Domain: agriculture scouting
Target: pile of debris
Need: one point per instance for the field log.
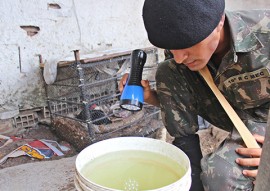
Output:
(122, 123)
(34, 144)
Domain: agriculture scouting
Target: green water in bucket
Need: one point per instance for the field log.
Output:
(133, 170)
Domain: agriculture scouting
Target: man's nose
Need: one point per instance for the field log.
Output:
(179, 55)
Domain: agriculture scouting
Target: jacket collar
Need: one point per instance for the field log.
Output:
(243, 38)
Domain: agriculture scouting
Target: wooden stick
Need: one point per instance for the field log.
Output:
(248, 138)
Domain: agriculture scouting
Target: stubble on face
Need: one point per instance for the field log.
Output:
(197, 56)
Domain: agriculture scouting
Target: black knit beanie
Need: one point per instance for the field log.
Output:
(178, 24)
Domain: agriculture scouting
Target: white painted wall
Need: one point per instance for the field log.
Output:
(88, 25)
(247, 4)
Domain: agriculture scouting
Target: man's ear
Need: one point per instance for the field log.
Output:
(221, 23)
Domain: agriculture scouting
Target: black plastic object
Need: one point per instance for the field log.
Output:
(132, 95)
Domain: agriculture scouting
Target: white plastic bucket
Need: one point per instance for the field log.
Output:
(132, 143)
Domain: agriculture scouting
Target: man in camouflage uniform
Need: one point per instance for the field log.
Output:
(243, 78)
(238, 51)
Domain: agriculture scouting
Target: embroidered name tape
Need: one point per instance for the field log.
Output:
(260, 73)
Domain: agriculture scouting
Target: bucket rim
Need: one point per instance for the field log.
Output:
(113, 140)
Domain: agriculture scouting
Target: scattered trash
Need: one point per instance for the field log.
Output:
(62, 147)
(7, 140)
(13, 154)
(96, 115)
(34, 152)
(39, 149)
(119, 112)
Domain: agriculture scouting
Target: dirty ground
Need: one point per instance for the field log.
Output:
(24, 173)
(38, 132)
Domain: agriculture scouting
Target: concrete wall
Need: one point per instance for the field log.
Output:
(247, 4)
(53, 28)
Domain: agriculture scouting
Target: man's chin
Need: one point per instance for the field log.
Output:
(196, 65)
(195, 68)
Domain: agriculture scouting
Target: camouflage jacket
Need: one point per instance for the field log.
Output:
(244, 73)
(243, 77)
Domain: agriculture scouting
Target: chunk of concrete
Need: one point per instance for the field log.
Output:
(57, 175)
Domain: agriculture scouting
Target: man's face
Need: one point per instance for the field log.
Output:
(197, 56)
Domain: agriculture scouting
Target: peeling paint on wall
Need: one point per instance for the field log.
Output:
(31, 30)
(58, 27)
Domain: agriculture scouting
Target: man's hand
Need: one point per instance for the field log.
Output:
(122, 82)
(150, 96)
(255, 157)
